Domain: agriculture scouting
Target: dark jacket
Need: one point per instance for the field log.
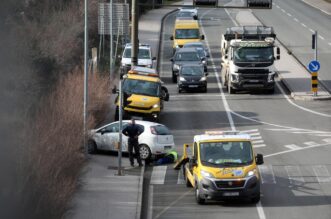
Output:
(133, 131)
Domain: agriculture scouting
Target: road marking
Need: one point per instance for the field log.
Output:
(303, 25)
(150, 202)
(329, 44)
(259, 145)
(277, 6)
(322, 174)
(311, 30)
(180, 179)
(254, 134)
(289, 14)
(296, 20)
(267, 174)
(283, 11)
(158, 175)
(293, 147)
(260, 210)
(256, 138)
(257, 142)
(327, 140)
(294, 175)
(310, 143)
(321, 37)
(251, 130)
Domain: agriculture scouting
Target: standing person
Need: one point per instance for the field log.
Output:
(133, 131)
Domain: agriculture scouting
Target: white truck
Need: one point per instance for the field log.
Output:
(248, 56)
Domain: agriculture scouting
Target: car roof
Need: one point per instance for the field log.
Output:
(190, 49)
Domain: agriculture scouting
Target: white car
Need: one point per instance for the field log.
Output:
(155, 140)
(194, 11)
(145, 58)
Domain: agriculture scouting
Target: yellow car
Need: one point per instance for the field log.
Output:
(185, 31)
(222, 166)
(143, 94)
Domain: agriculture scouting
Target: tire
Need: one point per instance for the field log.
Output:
(256, 198)
(179, 90)
(116, 114)
(144, 152)
(204, 90)
(174, 77)
(271, 91)
(92, 147)
(198, 198)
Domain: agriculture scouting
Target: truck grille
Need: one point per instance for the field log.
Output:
(253, 71)
(140, 107)
(230, 184)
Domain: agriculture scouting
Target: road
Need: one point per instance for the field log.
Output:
(294, 22)
(295, 138)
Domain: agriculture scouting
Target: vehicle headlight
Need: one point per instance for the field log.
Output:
(149, 66)
(156, 105)
(177, 46)
(182, 79)
(206, 174)
(234, 77)
(271, 76)
(176, 67)
(252, 172)
(203, 78)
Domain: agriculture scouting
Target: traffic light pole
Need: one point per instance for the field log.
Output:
(120, 95)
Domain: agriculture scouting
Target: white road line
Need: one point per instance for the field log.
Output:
(150, 202)
(251, 130)
(310, 143)
(283, 11)
(256, 138)
(296, 19)
(259, 145)
(322, 174)
(254, 134)
(257, 142)
(321, 37)
(289, 14)
(294, 175)
(260, 210)
(180, 179)
(267, 174)
(277, 6)
(303, 25)
(158, 175)
(311, 30)
(293, 147)
(329, 44)
(314, 6)
(327, 140)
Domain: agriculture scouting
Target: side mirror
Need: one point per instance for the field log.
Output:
(154, 58)
(114, 90)
(278, 53)
(202, 37)
(259, 159)
(171, 38)
(195, 17)
(193, 162)
(226, 56)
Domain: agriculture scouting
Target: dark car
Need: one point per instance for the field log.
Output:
(192, 77)
(184, 56)
(205, 2)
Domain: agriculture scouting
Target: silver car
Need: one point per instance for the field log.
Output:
(155, 140)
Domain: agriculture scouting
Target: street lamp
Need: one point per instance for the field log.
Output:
(85, 76)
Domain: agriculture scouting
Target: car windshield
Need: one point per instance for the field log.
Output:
(184, 14)
(148, 88)
(187, 34)
(192, 71)
(231, 153)
(187, 56)
(193, 45)
(254, 54)
(142, 53)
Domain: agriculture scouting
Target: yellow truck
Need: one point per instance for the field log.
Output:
(143, 94)
(222, 165)
(185, 31)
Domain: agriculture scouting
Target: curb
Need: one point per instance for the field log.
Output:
(140, 192)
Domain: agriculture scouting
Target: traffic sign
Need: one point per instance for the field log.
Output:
(314, 66)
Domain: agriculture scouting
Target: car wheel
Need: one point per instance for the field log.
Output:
(144, 152)
(271, 91)
(198, 198)
(91, 147)
(256, 198)
(174, 77)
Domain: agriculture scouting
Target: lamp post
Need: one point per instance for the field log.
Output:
(85, 75)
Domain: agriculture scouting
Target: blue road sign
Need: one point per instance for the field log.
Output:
(314, 66)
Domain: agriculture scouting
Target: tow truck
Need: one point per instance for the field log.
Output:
(143, 94)
(221, 165)
(248, 58)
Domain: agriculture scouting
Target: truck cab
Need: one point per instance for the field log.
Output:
(222, 165)
(143, 94)
(248, 56)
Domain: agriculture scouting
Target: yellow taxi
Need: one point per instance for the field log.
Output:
(222, 165)
(143, 94)
(185, 31)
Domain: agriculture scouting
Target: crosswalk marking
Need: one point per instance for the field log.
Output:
(255, 134)
(180, 179)
(256, 138)
(158, 174)
(267, 174)
(292, 147)
(327, 140)
(294, 175)
(257, 142)
(322, 174)
(250, 130)
(259, 145)
(310, 143)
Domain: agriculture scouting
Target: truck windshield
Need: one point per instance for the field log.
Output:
(232, 153)
(148, 88)
(187, 34)
(142, 53)
(254, 54)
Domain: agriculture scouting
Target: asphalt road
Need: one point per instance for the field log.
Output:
(295, 138)
(294, 22)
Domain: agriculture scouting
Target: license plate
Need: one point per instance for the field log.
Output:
(231, 194)
(193, 86)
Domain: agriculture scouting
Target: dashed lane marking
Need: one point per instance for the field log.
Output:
(321, 37)
(267, 174)
(310, 143)
(158, 175)
(283, 11)
(288, 14)
(295, 19)
(259, 145)
(180, 179)
(303, 25)
(311, 30)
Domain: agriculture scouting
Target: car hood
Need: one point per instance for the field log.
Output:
(192, 78)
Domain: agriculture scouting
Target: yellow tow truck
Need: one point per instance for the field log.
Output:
(143, 94)
(220, 166)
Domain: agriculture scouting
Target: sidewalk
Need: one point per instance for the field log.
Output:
(293, 75)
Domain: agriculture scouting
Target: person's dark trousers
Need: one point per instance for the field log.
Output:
(133, 144)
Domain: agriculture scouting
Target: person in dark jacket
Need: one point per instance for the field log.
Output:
(133, 131)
